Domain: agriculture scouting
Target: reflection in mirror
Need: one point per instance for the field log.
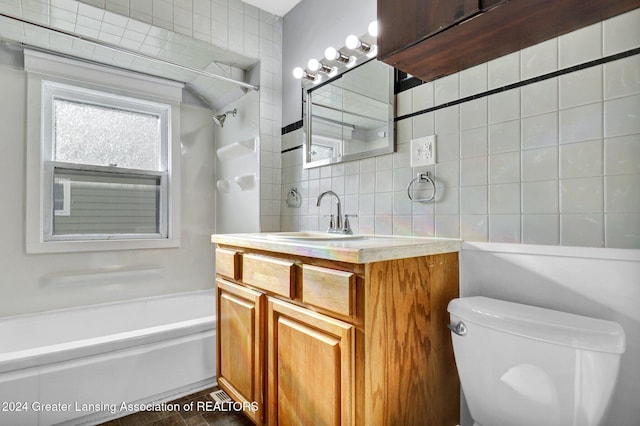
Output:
(351, 116)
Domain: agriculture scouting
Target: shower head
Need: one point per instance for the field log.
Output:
(219, 119)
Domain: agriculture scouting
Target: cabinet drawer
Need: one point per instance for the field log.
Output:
(270, 274)
(228, 263)
(328, 289)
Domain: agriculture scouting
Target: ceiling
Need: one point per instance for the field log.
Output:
(275, 7)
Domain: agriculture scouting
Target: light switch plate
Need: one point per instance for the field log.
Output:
(423, 151)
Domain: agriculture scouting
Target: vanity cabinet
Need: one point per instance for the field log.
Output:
(310, 363)
(240, 344)
(317, 341)
(433, 38)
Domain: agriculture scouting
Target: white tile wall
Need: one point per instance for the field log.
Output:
(580, 46)
(540, 197)
(504, 70)
(504, 228)
(621, 32)
(540, 130)
(622, 155)
(553, 162)
(581, 87)
(504, 106)
(581, 159)
(540, 229)
(540, 163)
(582, 230)
(504, 137)
(473, 171)
(474, 142)
(622, 77)
(473, 80)
(539, 59)
(581, 195)
(423, 97)
(539, 98)
(446, 89)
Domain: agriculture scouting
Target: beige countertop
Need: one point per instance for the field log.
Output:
(368, 248)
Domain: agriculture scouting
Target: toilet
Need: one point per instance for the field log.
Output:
(523, 365)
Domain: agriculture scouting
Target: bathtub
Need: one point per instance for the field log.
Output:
(88, 365)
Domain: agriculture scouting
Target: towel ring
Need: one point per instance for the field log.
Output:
(293, 198)
(421, 177)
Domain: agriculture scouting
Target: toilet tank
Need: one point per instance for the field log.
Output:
(525, 365)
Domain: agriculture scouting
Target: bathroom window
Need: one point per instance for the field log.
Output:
(105, 158)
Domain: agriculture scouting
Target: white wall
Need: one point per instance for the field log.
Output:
(599, 283)
(32, 283)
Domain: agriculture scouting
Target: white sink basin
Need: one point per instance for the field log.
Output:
(312, 236)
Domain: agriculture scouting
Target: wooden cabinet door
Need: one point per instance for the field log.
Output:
(240, 351)
(310, 367)
(403, 23)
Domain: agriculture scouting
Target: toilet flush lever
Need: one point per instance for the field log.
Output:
(460, 329)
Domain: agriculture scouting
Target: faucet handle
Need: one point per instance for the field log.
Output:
(346, 228)
(332, 223)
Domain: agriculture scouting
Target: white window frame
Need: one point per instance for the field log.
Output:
(52, 91)
(112, 88)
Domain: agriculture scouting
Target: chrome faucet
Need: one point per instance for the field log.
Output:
(338, 224)
(337, 227)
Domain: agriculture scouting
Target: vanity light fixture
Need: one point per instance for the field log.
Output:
(332, 54)
(299, 73)
(354, 43)
(315, 65)
(318, 71)
(373, 29)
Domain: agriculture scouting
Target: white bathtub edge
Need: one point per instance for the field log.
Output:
(32, 358)
(210, 292)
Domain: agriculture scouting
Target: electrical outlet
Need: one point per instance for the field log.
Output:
(423, 151)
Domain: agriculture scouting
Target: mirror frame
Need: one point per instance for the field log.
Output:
(308, 90)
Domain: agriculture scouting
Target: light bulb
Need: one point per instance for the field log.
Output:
(313, 65)
(373, 29)
(352, 42)
(298, 73)
(331, 54)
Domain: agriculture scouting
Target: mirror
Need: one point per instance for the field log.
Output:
(350, 116)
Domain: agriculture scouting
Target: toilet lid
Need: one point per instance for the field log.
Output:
(533, 322)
